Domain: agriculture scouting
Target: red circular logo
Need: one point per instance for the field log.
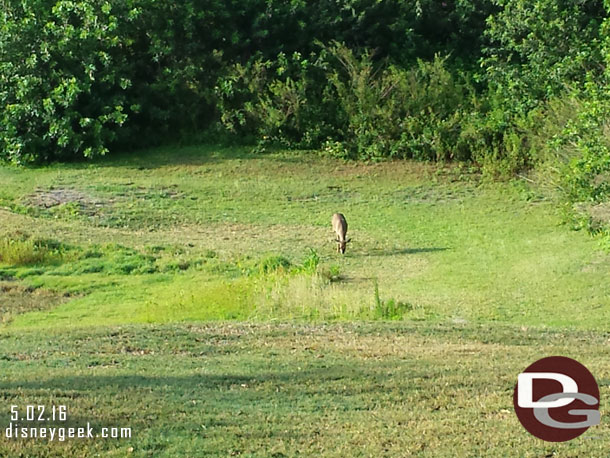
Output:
(557, 399)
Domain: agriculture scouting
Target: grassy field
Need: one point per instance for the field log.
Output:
(195, 294)
(374, 389)
(280, 389)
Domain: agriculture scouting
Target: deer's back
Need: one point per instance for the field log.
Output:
(339, 223)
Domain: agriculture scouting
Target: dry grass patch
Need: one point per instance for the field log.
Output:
(16, 299)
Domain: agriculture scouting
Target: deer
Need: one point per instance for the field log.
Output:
(340, 227)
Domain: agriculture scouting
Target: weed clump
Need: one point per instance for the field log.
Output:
(311, 262)
(121, 260)
(20, 249)
(390, 309)
(274, 264)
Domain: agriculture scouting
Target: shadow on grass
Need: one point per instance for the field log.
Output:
(343, 384)
(319, 368)
(74, 387)
(175, 155)
(162, 156)
(176, 405)
(401, 251)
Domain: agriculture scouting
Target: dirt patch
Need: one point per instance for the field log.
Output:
(601, 263)
(161, 192)
(427, 194)
(598, 215)
(16, 299)
(601, 213)
(50, 198)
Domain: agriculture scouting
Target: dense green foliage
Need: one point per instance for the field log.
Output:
(473, 80)
(347, 104)
(77, 77)
(60, 82)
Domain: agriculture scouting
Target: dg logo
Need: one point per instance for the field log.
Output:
(557, 399)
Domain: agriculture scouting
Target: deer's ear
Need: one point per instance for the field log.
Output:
(348, 240)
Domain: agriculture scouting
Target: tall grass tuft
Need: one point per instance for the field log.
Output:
(311, 262)
(274, 264)
(26, 251)
(390, 309)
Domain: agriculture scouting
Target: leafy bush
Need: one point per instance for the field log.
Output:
(359, 79)
(493, 138)
(586, 175)
(79, 77)
(536, 52)
(274, 263)
(568, 140)
(392, 112)
(354, 107)
(577, 156)
(61, 79)
(277, 101)
(537, 48)
(311, 262)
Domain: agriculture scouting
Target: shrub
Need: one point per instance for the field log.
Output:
(537, 48)
(62, 82)
(536, 52)
(277, 101)
(569, 138)
(393, 112)
(585, 174)
(311, 262)
(77, 77)
(80, 76)
(350, 105)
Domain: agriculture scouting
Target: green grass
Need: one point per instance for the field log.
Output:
(184, 228)
(282, 390)
(195, 295)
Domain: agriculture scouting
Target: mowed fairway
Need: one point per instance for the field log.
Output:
(284, 390)
(195, 295)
